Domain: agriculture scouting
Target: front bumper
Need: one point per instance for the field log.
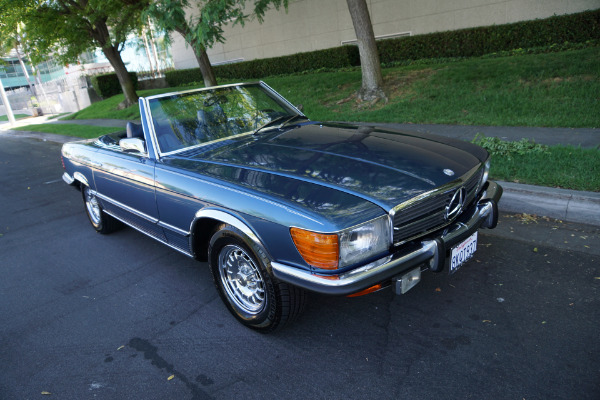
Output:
(69, 180)
(430, 252)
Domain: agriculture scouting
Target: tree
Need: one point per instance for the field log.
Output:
(10, 41)
(71, 27)
(5, 102)
(372, 79)
(205, 27)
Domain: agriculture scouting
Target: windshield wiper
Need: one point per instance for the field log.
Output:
(271, 122)
(287, 121)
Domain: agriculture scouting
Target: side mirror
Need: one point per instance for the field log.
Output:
(300, 107)
(133, 145)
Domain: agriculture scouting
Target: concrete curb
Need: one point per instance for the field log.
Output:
(568, 205)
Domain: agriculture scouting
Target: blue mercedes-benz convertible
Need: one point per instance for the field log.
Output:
(278, 204)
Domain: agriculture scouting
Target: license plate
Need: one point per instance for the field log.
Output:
(462, 252)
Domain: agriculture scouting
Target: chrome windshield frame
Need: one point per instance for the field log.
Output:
(157, 150)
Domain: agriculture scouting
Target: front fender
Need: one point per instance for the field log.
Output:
(247, 234)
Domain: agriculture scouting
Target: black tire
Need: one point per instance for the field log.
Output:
(252, 295)
(101, 221)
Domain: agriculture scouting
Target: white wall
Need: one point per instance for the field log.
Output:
(319, 24)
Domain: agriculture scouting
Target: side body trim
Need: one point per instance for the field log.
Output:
(148, 234)
(127, 208)
(174, 229)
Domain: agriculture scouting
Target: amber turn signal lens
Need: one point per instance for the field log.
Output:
(318, 249)
(366, 291)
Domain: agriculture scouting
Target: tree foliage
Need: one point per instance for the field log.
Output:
(202, 25)
(9, 23)
(67, 28)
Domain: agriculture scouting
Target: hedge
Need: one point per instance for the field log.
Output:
(574, 28)
(334, 58)
(470, 42)
(108, 85)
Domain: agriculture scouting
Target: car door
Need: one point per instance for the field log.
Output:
(125, 184)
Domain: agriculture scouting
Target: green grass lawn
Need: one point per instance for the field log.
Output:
(540, 90)
(108, 108)
(544, 90)
(82, 131)
(560, 166)
(17, 116)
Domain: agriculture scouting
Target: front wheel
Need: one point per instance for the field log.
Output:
(250, 293)
(102, 222)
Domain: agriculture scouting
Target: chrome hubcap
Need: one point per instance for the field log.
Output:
(93, 208)
(241, 279)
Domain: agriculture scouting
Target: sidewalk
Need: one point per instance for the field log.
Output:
(5, 126)
(96, 122)
(567, 205)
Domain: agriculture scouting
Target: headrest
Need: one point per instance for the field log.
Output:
(134, 130)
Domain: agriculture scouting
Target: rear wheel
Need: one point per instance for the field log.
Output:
(250, 293)
(102, 222)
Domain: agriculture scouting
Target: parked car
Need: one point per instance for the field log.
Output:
(278, 204)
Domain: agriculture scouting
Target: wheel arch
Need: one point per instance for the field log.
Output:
(80, 179)
(207, 220)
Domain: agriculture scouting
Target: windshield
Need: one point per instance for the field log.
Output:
(194, 118)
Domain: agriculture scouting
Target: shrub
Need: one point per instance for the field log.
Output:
(108, 85)
(334, 58)
(542, 34)
(182, 77)
(498, 147)
(574, 28)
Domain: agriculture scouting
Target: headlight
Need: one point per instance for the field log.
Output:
(486, 172)
(364, 241)
(350, 246)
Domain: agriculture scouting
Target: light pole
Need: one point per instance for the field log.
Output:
(11, 116)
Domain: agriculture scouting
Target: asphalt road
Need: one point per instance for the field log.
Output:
(87, 316)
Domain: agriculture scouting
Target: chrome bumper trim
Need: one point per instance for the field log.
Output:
(360, 278)
(483, 215)
(68, 178)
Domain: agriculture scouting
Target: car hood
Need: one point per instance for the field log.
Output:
(382, 166)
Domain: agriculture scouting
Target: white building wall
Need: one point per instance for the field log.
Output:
(319, 24)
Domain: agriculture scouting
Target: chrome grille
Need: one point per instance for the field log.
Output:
(472, 185)
(419, 217)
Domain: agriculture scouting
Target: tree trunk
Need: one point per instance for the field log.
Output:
(114, 57)
(7, 107)
(38, 82)
(372, 80)
(154, 48)
(201, 57)
(205, 68)
(25, 73)
(147, 48)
